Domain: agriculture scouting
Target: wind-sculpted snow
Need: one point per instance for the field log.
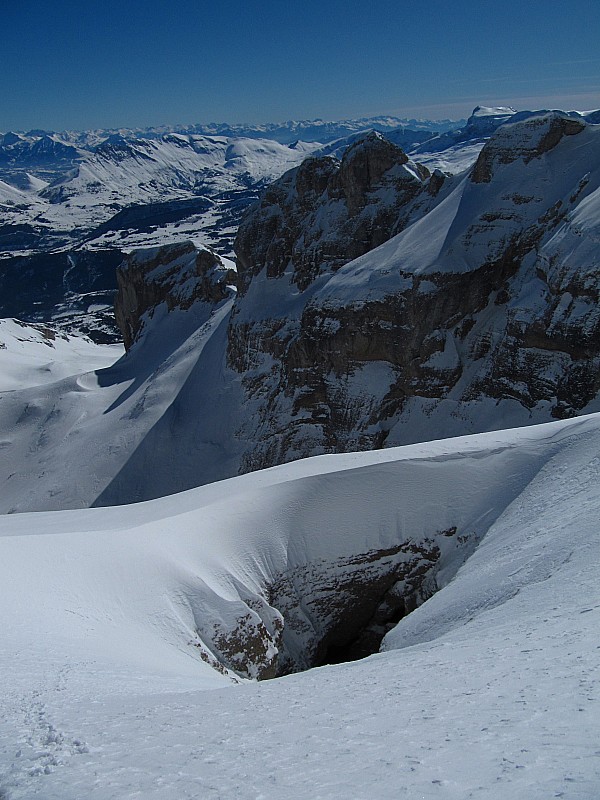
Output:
(35, 355)
(112, 426)
(115, 620)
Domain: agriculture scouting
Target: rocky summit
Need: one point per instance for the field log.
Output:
(177, 275)
(327, 212)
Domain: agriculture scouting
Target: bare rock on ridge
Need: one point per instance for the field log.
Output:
(480, 313)
(325, 213)
(178, 275)
(531, 139)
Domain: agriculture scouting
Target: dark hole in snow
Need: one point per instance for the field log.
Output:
(340, 611)
(366, 643)
(335, 611)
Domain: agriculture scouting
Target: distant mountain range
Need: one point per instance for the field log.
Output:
(315, 130)
(72, 205)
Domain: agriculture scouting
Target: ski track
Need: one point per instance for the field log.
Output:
(362, 730)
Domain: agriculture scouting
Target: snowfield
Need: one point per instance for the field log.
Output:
(489, 689)
(35, 355)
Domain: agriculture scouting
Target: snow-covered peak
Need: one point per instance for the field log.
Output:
(10, 138)
(527, 139)
(485, 120)
(492, 111)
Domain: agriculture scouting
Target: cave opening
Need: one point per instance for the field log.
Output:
(335, 611)
(365, 643)
(335, 616)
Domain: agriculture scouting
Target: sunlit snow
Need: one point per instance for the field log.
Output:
(490, 689)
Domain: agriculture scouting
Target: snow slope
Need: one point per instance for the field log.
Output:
(35, 355)
(453, 237)
(488, 690)
(92, 423)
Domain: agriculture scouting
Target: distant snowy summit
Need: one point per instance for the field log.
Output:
(319, 130)
(485, 120)
(315, 130)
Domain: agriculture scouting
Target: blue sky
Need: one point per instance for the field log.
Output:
(106, 64)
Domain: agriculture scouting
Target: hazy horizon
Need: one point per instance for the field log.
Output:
(159, 64)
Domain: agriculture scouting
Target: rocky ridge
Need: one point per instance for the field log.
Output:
(176, 275)
(481, 313)
(327, 212)
(380, 305)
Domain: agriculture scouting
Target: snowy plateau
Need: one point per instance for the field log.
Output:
(315, 512)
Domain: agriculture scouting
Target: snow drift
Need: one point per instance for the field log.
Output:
(106, 610)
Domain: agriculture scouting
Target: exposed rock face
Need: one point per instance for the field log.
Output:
(177, 275)
(483, 312)
(342, 610)
(325, 213)
(328, 611)
(538, 136)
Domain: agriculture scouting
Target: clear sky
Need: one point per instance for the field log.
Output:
(109, 63)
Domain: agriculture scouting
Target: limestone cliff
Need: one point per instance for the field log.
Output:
(177, 275)
(481, 312)
(380, 305)
(325, 213)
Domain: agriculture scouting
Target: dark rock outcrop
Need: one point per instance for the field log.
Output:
(325, 213)
(482, 313)
(177, 275)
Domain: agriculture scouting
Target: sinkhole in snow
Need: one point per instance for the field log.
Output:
(333, 611)
(340, 611)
